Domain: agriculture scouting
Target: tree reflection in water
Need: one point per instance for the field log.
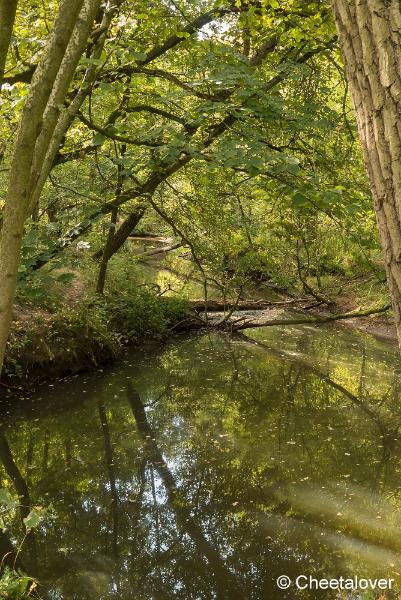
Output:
(211, 467)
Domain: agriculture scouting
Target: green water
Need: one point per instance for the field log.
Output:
(209, 467)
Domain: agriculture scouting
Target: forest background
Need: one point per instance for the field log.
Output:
(225, 129)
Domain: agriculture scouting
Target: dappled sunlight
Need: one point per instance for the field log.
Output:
(350, 555)
(360, 513)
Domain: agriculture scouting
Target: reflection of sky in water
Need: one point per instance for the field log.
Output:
(257, 456)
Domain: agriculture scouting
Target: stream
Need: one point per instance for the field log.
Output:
(209, 467)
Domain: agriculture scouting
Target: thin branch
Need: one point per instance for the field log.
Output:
(118, 138)
(156, 111)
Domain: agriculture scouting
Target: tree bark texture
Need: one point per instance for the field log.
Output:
(8, 9)
(370, 38)
(29, 132)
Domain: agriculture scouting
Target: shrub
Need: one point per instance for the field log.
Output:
(142, 313)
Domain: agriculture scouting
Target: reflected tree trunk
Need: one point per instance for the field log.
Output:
(227, 586)
(14, 474)
(68, 453)
(30, 451)
(383, 428)
(156, 508)
(361, 388)
(22, 490)
(45, 459)
(109, 456)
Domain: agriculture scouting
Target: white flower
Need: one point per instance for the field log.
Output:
(83, 246)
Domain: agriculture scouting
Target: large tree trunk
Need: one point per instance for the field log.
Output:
(369, 32)
(227, 586)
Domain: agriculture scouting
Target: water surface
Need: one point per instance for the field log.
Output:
(209, 467)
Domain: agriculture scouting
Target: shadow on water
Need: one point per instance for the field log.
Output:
(209, 468)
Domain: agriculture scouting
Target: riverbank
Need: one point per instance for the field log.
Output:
(86, 335)
(360, 292)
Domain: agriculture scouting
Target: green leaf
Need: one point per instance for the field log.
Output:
(106, 87)
(138, 56)
(34, 517)
(7, 499)
(98, 139)
(299, 199)
(257, 162)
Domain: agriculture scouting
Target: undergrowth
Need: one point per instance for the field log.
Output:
(90, 331)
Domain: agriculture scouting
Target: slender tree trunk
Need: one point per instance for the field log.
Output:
(8, 9)
(108, 247)
(68, 452)
(109, 457)
(369, 32)
(22, 490)
(49, 85)
(122, 233)
(107, 253)
(14, 474)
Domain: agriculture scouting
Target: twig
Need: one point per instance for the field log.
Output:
(11, 387)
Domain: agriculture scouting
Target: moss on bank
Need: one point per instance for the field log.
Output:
(87, 334)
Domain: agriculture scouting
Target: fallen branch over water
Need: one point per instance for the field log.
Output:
(223, 305)
(240, 324)
(360, 402)
(195, 321)
(159, 250)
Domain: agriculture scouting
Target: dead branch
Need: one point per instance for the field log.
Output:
(159, 250)
(310, 320)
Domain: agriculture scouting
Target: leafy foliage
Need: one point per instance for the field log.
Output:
(15, 585)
